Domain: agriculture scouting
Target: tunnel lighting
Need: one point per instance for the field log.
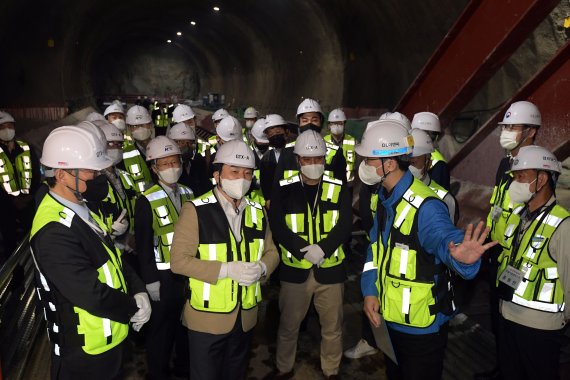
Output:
(169, 41)
(178, 33)
(193, 23)
(217, 9)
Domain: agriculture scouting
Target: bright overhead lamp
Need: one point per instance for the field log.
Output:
(193, 23)
(217, 9)
(169, 41)
(178, 33)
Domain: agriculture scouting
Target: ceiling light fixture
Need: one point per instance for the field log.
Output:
(217, 9)
(193, 23)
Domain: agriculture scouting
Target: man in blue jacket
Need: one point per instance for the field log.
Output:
(414, 246)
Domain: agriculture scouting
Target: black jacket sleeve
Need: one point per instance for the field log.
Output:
(144, 238)
(64, 262)
(338, 165)
(440, 174)
(366, 216)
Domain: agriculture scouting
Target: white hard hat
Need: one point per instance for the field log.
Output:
(114, 108)
(137, 115)
(235, 153)
(423, 144)
(92, 116)
(397, 116)
(535, 157)
(274, 120)
(94, 129)
(309, 105)
(310, 144)
(111, 132)
(385, 138)
(219, 115)
(426, 121)
(5, 117)
(522, 112)
(70, 147)
(258, 131)
(181, 113)
(161, 146)
(181, 131)
(250, 113)
(229, 129)
(337, 115)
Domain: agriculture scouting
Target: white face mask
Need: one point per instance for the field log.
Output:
(337, 129)
(115, 154)
(313, 171)
(236, 188)
(418, 173)
(119, 123)
(170, 175)
(519, 192)
(508, 139)
(7, 134)
(249, 123)
(368, 175)
(141, 134)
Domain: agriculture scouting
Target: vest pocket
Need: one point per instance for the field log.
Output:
(219, 297)
(403, 262)
(408, 303)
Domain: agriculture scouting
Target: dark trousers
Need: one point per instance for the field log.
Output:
(14, 218)
(79, 365)
(366, 331)
(165, 330)
(217, 357)
(527, 353)
(420, 357)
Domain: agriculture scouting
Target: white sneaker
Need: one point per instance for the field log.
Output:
(361, 349)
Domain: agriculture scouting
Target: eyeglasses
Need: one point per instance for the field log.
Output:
(513, 127)
(171, 164)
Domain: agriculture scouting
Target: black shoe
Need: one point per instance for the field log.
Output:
(493, 374)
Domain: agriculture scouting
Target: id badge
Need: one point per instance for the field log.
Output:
(511, 277)
(496, 213)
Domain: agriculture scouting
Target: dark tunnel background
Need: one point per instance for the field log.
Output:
(267, 53)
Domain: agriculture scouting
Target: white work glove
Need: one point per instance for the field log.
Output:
(244, 273)
(120, 225)
(143, 315)
(153, 290)
(314, 254)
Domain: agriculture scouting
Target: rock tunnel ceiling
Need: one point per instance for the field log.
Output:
(268, 53)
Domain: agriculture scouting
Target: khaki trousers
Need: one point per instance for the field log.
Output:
(294, 302)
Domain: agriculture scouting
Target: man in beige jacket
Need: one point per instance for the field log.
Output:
(223, 243)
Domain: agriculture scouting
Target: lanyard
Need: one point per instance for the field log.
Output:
(521, 231)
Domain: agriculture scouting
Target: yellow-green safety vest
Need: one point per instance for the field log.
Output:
(348, 145)
(500, 199)
(99, 334)
(18, 180)
(541, 288)
(217, 243)
(164, 217)
(310, 229)
(136, 166)
(437, 156)
(406, 273)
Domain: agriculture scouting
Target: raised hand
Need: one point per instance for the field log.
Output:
(473, 245)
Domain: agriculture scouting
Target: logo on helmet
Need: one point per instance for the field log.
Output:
(515, 161)
(168, 148)
(508, 114)
(242, 157)
(390, 145)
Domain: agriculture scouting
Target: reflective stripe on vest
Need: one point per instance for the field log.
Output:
(302, 223)
(223, 296)
(541, 288)
(99, 334)
(405, 286)
(164, 216)
(437, 189)
(16, 180)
